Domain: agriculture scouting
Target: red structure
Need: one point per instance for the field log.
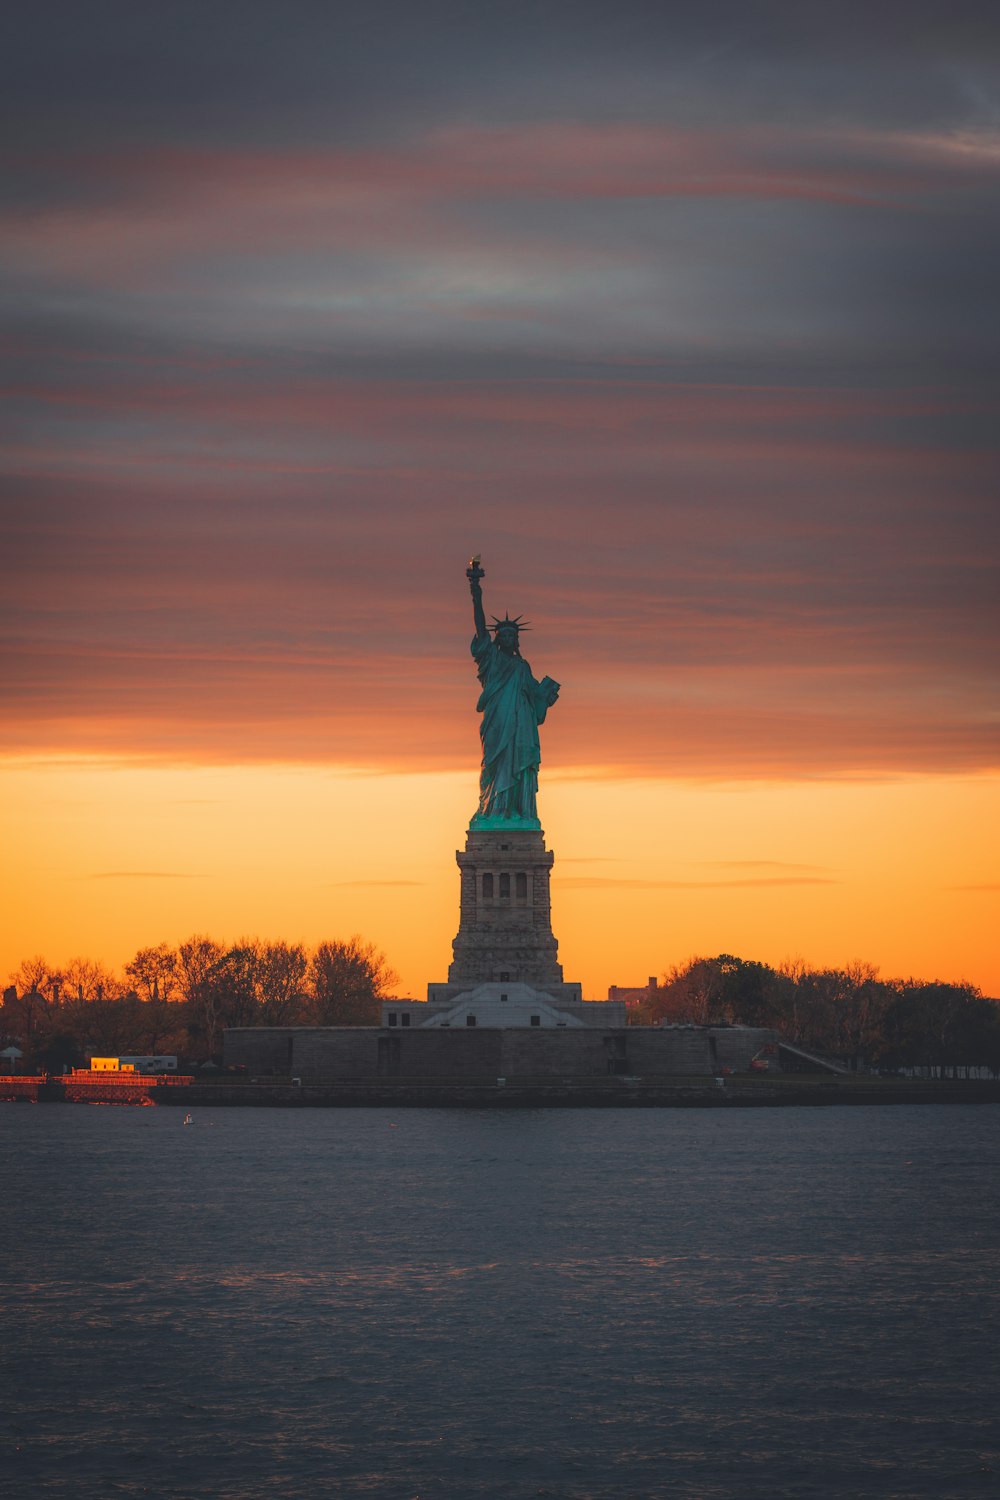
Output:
(84, 1087)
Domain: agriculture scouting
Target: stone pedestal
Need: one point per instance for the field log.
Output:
(505, 924)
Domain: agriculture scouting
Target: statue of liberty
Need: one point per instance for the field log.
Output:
(512, 704)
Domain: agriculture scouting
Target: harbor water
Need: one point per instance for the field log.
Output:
(269, 1304)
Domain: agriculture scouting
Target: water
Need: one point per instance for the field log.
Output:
(705, 1305)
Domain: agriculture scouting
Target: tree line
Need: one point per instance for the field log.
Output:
(849, 1012)
(180, 1000)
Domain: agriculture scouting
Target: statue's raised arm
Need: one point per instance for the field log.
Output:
(475, 574)
(513, 704)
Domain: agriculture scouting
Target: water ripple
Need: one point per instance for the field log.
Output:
(581, 1305)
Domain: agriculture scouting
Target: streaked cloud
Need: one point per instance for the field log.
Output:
(372, 884)
(600, 883)
(686, 325)
(765, 864)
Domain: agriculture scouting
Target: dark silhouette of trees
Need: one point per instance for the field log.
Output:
(194, 959)
(849, 1012)
(32, 975)
(25, 1008)
(281, 975)
(250, 984)
(153, 972)
(839, 1011)
(716, 991)
(688, 994)
(349, 982)
(181, 1000)
(941, 1026)
(197, 959)
(281, 984)
(83, 980)
(743, 990)
(110, 1025)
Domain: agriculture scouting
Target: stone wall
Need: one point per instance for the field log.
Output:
(487, 1053)
(735, 1046)
(654, 1050)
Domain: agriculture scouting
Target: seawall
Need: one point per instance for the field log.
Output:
(614, 1093)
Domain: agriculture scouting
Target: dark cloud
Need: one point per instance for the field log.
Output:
(686, 321)
(309, 70)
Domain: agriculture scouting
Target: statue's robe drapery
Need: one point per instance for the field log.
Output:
(512, 705)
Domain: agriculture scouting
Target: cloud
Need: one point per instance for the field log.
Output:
(690, 341)
(302, 72)
(575, 236)
(591, 859)
(367, 884)
(691, 638)
(598, 883)
(139, 875)
(764, 864)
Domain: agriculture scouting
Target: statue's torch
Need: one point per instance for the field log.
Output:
(474, 572)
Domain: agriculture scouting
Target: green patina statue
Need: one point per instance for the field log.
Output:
(512, 704)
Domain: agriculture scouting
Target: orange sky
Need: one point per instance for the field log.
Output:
(110, 857)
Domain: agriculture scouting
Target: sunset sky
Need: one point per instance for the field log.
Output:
(686, 317)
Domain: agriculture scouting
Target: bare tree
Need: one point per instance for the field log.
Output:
(197, 959)
(26, 1009)
(349, 982)
(83, 979)
(32, 975)
(281, 974)
(153, 971)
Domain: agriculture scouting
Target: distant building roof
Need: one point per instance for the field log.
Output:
(633, 992)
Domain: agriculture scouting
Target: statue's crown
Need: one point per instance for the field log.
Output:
(515, 624)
